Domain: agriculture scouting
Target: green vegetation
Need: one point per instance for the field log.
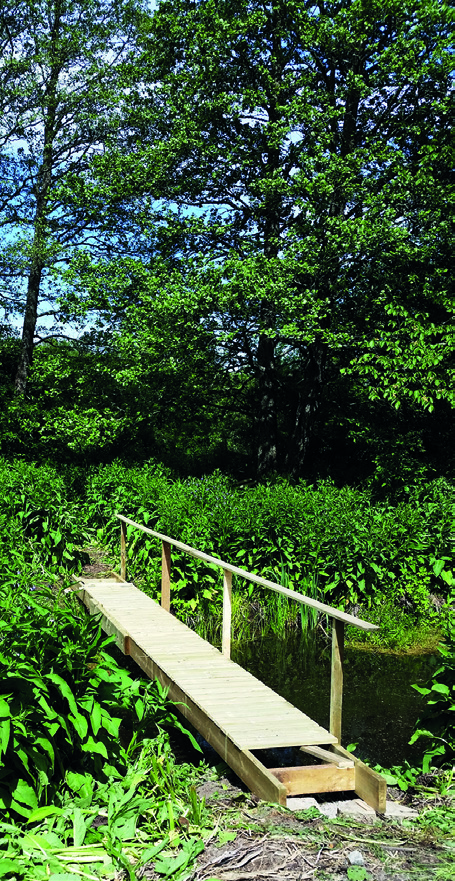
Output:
(225, 235)
(243, 213)
(87, 775)
(337, 544)
(392, 563)
(436, 725)
(81, 739)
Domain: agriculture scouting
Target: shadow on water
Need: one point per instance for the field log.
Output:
(380, 707)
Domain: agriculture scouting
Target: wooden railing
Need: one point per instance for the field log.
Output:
(339, 619)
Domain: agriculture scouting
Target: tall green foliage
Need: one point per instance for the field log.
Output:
(353, 549)
(80, 737)
(35, 504)
(436, 725)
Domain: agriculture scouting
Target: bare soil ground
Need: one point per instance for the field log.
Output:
(250, 840)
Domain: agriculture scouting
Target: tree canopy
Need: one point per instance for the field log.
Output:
(302, 154)
(59, 91)
(272, 212)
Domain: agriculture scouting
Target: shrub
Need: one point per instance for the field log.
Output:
(62, 699)
(437, 723)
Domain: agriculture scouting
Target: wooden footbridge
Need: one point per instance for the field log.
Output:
(232, 710)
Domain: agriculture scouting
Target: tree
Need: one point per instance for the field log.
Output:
(303, 151)
(59, 76)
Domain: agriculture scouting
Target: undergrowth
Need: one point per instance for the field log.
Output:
(395, 561)
(87, 776)
(88, 784)
(335, 543)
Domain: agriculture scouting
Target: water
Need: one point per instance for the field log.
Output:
(379, 706)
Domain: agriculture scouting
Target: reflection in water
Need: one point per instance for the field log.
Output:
(379, 705)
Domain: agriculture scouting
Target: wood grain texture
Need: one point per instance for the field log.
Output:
(325, 756)
(369, 785)
(242, 706)
(166, 575)
(123, 550)
(336, 679)
(227, 613)
(233, 710)
(315, 778)
(256, 579)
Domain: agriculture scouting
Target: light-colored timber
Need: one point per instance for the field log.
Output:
(339, 619)
(251, 576)
(336, 684)
(231, 709)
(315, 778)
(123, 551)
(327, 756)
(166, 576)
(227, 613)
(369, 785)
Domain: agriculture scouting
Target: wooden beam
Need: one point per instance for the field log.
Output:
(336, 681)
(315, 778)
(109, 624)
(120, 606)
(166, 575)
(256, 579)
(325, 756)
(258, 778)
(123, 550)
(227, 613)
(369, 785)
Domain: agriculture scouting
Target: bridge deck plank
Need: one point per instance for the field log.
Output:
(245, 710)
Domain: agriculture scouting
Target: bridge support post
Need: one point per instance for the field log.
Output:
(227, 613)
(166, 576)
(336, 683)
(123, 550)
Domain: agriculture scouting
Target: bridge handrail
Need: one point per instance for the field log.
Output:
(339, 618)
(257, 579)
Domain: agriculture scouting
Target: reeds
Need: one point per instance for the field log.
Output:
(259, 613)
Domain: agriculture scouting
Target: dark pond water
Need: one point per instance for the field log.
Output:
(379, 705)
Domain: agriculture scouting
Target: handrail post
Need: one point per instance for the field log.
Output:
(336, 683)
(166, 575)
(227, 613)
(123, 528)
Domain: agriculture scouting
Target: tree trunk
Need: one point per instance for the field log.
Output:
(267, 376)
(308, 400)
(28, 330)
(41, 193)
(267, 427)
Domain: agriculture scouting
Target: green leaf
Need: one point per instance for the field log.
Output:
(440, 687)
(151, 852)
(95, 717)
(24, 798)
(94, 746)
(64, 690)
(79, 827)
(357, 873)
(438, 566)
(10, 867)
(224, 837)
(80, 783)
(5, 712)
(80, 724)
(42, 813)
(64, 876)
(5, 731)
